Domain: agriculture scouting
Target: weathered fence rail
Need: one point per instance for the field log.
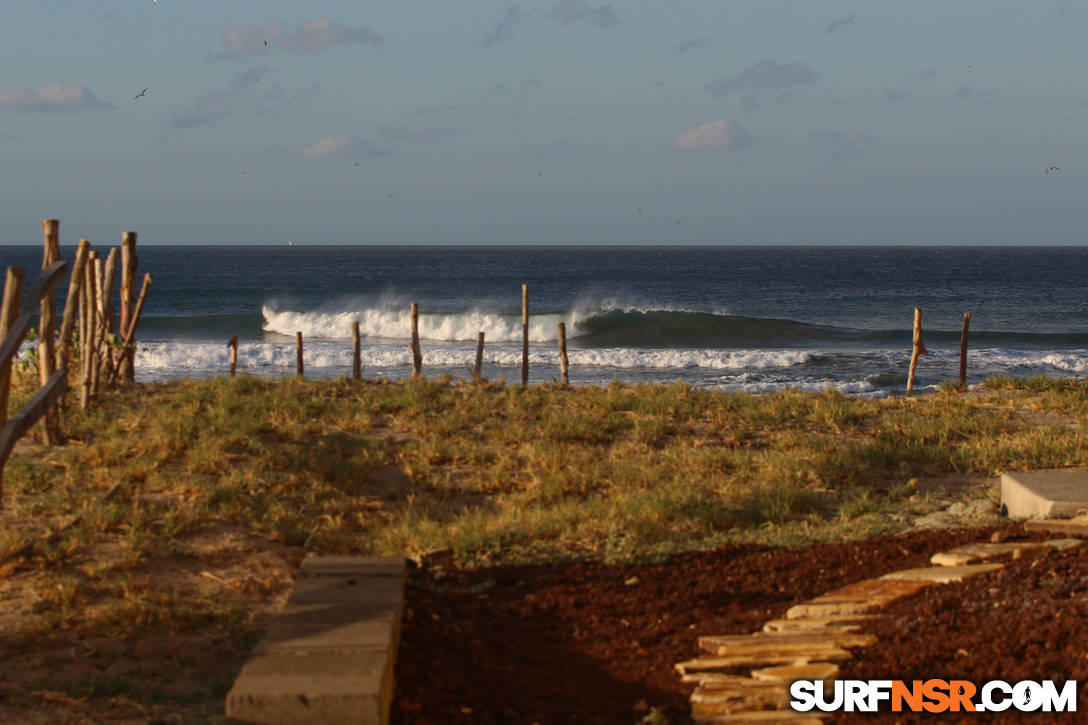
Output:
(46, 397)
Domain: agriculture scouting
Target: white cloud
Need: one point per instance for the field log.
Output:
(218, 104)
(318, 35)
(425, 136)
(571, 11)
(54, 98)
(313, 36)
(764, 75)
(843, 145)
(565, 13)
(838, 24)
(694, 44)
(341, 146)
(241, 40)
(720, 134)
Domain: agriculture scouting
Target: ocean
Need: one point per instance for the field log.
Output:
(732, 318)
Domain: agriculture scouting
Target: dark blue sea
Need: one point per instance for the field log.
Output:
(734, 318)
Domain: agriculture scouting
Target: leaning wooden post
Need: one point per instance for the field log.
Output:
(129, 261)
(298, 352)
(918, 349)
(128, 335)
(71, 305)
(233, 345)
(46, 360)
(84, 319)
(110, 324)
(963, 350)
(100, 349)
(525, 334)
(563, 352)
(356, 352)
(479, 356)
(417, 356)
(92, 331)
(13, 293)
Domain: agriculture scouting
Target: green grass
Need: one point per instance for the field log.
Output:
(500, 473)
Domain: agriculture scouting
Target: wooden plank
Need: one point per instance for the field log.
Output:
(14, 340)
(563, 362)
(29, 414)
(45, 283)
(417, 356)
(356, 353)
(13, 291)
(71, 305)
(525, 334)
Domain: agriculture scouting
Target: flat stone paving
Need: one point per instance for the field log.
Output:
(329, 655)
(813, 637)
(1044, 494)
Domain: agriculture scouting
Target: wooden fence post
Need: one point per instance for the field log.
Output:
(417, 356)
(917, 349)
(128, 334)
(13, 293)
(563, 352)
(525, 334)
(46, 359)
(15, 318)
(233, 345)
(356, 352)
(129, 262)
(963, 350)
(92, 330)
(477, 371)
(298, 347)
(108, 310)
(100, 349)
(71, 305)
(84, 315)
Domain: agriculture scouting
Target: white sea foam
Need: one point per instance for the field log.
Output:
(391, 322)
(192, 357)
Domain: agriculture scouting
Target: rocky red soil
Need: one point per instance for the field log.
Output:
(586, 642)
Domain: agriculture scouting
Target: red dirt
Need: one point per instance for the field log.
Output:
(585, 642)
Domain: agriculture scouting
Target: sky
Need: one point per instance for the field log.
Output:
(545, 122)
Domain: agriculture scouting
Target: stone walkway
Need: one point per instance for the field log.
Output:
(817, 634)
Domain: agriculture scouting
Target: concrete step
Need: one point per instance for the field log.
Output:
(329, 655)
(1044, 494)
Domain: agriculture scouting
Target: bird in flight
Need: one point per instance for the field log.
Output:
(140, 94)
(1051, 168)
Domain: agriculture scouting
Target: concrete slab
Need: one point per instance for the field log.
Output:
(1070, 527)
(1044, 494)
(943, 574)
(841, 622)
(988, 551)
(788, 674)
(728, 644)
(329, 655)
(313, 686)
(877, 592)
